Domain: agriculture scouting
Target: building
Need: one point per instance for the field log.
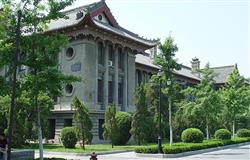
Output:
(103, 54)
(111, 61)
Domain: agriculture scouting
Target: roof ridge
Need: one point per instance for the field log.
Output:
(223, 66)
(83, 6)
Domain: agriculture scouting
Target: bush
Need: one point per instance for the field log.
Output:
(146, 149)
(69, 137)
(123, 120)
(243, 133)
(222, 134)
(192, 135)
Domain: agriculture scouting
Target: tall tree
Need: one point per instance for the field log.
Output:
(139, 123)
(205, 99)
(235, 97)
(166, 60)
(82, 120)
(40, 49)
(110, 124)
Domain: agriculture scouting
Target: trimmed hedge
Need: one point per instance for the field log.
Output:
(186, 147)
(69, 137)
(243, 133)
(222, 134)
(192, 135)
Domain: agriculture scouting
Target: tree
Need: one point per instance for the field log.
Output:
(165, 59)
(82, 120)
(110, 124)
(40, 49)
(205, 100)
(235, 97)
(139, 121)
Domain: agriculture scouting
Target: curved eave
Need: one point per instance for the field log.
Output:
(87, 20)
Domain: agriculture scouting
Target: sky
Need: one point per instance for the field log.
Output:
(215, 31)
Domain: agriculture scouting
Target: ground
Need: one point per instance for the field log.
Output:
(236, 153)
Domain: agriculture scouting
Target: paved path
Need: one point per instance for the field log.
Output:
(236, 153)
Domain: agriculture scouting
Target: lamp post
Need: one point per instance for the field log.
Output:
(159, 119)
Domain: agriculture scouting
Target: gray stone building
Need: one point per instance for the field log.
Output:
(103, 54)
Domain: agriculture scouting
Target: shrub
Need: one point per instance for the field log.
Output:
(243, 133)
(222, 134)
(186, 147)
(192, 135)
(69, 137)
(146, 149)
(123, 120)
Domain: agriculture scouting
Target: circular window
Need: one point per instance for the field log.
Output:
(100, 17)
(69, 89)
(70, 52)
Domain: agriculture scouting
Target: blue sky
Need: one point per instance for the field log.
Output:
(215, 31)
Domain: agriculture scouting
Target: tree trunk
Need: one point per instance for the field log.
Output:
(207, 129)
(83, 137)
(139, 141)
(40, 137)
(233, 128)
(13, 96)
(170, 121)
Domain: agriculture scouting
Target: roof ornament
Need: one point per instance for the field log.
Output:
(79, 15)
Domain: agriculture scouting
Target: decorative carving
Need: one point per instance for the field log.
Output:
(76, 67)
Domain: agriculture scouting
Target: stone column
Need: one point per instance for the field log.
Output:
(131, 80)
(125, 81)
(106, 76)
(115, 93)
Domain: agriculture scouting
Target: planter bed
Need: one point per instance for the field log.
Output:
(184, 149)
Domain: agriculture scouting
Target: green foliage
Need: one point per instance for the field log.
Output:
(110, 124)
(83, 121)
(69, 137)
(236, 99)
(222, 134)
(186, 147)
(123, 120)
(192, 135)
(139, 126)
(202, 105)
(243, 133)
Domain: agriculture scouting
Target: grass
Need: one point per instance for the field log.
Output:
(98, 148)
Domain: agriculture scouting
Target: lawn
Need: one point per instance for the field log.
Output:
(98, 148)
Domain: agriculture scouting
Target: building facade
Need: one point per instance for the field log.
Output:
(103, 54)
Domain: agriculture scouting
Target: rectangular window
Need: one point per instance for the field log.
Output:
(100, 54)
(100, 129)
(51, 129)
(55, 99)
(67, 122)
(120, 93)
(111, 53)
(100, 90)
(110, 91)
(120, 58)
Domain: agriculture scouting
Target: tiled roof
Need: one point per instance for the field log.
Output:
(187, 72)
(222, 73)
(71, 21)
(147, 61)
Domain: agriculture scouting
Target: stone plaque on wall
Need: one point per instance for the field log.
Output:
(76, 67)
